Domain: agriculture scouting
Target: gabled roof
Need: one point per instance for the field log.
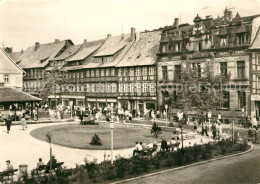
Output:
(40, 57)
(142, 52)
(86, 49)
(113, 45)
(67, 52)
(14, 95)
(256, 41)
(7, 65)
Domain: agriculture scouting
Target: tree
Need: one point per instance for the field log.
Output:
(200, 88)
(52, 82)
(156, 130)
(96, 141)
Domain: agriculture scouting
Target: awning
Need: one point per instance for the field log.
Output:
(14, 95)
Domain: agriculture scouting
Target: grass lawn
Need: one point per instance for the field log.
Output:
(79, 136)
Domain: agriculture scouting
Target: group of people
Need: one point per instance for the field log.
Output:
(141, 147)
(172, 145)
(8, 121)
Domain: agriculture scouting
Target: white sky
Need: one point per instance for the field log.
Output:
(24, 22)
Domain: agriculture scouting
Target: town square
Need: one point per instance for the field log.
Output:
(129, 91)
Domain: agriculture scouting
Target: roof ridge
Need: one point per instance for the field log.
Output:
(13, 61)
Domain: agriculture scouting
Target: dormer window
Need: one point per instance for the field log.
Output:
(240, 39)
(223, 41)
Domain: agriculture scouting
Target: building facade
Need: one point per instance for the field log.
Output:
(222, 42)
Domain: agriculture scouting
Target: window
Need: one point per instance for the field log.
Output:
(164, 73)
(145, 86)
(97, 73)
(240, 39)
(108, 88)
(175, 97)
(226, 97)
(98, 87)
(125, 88)
(152, 87)
(197, 68)
(93, 88)
(132, 88)
(258, 82)
(223, 68)
(258, 57)
(241, 99)
(6, 78)
(73, 75)
(164, 47)
(102, 72)
(223, 41)
(120, 72)
(241, 69)
(113, 88)
(178, 46)
(108, 72)
(126, 72)
(92, 73)
(132, 72)
(113, 73)
(138, 87)
(88, 88)
(151, 70)
(200, 46)
(138, 71)
(102, 90)
(121, 88)
(77, 75)
(144, 71)
(87, 73)
(81, 74)
(177, 72)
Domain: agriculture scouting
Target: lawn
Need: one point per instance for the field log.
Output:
(79, 136)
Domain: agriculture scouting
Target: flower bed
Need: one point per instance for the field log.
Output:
(123, 168)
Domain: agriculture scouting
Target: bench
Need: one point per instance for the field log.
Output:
(46, 168)
(7, 174)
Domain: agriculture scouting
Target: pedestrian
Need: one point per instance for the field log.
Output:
(219, 117)
(39, 163)
(254, 123)
(9, 166)
(214, 130)
(23, 121)
(8, 122)
(204, 128)
(195, 125)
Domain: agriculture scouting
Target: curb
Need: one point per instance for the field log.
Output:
(186, 166)
(14, 123)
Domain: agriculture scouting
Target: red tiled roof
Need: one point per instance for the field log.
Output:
(14, 95)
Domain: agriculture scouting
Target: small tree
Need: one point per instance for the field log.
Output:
(96, 141)
(48, 137)
(156, 130)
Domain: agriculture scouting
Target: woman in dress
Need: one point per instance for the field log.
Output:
(23, 121)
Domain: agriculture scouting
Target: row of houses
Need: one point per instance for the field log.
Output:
(141, 70)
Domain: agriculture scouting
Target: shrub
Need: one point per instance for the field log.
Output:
(171, 124)
(96, 141)
(156, 130)
(121, 165)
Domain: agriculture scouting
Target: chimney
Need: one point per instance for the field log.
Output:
(21, 51)
(11, 49)
(137, 37)
(176, 23)
(57, 40)
(109, 35)
(85, 40)
(37, 45)
(133, 32)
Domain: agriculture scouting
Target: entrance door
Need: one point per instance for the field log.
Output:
(141, 109)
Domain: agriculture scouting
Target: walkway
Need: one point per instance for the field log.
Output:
(238, 169)
(21, 148)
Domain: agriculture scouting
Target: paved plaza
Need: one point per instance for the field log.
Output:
(21, 148)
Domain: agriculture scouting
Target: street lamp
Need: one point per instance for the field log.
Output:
(71, 104)
(111, 128)
(166, 109)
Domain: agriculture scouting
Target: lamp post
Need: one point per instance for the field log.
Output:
(209, 116)
(71, 104)
(112, 143)
(166, 109)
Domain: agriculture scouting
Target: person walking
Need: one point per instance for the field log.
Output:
(8, 122)
(204, 128)
(23, 121)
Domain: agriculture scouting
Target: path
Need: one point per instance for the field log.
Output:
(238, 169)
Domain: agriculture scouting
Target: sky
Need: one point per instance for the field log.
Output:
(24, 22)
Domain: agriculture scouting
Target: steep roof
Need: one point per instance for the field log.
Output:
(7, 65)
(115, 44)
(40, 57)
(67, 52)
(142, 52)
(14, 95)
(86, 49)
(256, 41)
